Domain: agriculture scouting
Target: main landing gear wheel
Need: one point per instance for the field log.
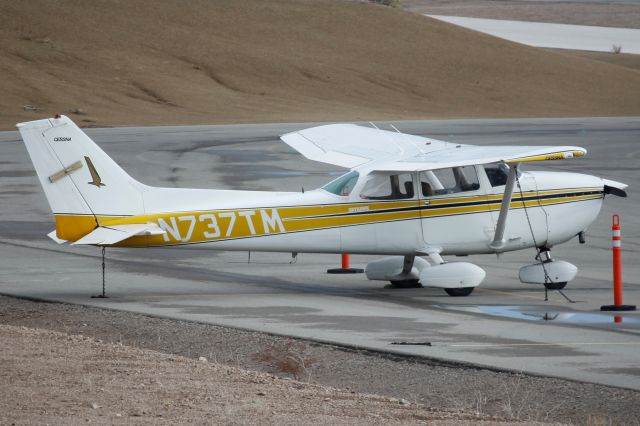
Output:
(555, 286)
(459, 292)
(404, 284)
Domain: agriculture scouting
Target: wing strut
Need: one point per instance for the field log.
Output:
(498, 239)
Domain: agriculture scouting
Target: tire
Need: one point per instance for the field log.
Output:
(406, 284)
(555, 286)
(459, 292)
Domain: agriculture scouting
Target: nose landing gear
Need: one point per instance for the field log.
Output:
(553, 274)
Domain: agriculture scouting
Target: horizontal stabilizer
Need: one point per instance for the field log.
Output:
(109, 235)
(55, 238)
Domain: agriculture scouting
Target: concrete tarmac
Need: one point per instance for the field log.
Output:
(554, 36)
(504, 324)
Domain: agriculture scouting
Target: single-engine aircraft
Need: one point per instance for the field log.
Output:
(411, 198)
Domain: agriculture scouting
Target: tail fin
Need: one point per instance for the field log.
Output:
(78, 178)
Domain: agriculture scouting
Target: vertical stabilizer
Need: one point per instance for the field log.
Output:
(78, 178)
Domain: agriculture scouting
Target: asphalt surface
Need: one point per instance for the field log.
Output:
(504, 324)
(556, 36)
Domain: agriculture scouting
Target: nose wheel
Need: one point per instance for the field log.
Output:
(553, 274)
(555, 286)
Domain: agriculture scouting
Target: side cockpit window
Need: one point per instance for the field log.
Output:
(388, 186)
(342, 185)
(449, 181)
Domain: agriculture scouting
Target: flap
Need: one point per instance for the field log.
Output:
(109, 235)
(468, 155)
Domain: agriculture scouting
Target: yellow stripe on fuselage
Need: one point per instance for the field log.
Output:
(217, 225)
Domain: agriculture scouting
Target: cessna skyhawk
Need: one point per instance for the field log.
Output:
(411, 198)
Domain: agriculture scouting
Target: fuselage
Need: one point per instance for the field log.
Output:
(547, 208)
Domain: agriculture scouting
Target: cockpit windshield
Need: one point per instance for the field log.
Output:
(342, 185)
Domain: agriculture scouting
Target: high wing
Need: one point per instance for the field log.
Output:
(349, 145)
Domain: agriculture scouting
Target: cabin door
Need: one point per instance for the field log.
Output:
(392, 212)
(455, 210)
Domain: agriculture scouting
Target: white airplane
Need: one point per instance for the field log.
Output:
(412, 198)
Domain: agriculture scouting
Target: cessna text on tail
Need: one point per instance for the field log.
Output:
(410, 198)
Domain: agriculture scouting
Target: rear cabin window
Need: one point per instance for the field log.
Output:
(497, 173)
(342, 185)
(449, 181)
(382, 186)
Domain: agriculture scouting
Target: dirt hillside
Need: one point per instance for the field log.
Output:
(172, 62)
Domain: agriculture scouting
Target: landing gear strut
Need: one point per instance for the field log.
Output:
(544, 256)
(407, 266)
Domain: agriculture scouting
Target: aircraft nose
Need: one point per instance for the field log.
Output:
(571, 202)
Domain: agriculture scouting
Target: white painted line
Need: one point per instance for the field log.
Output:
(508, 345)
(559, 36)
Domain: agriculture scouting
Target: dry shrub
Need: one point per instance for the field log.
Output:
(616, 48)
(598, 421)
(290, 357)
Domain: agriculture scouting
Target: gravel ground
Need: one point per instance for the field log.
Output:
(421, 382)
(51, 377)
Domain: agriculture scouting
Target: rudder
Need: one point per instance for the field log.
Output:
(79, 179)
